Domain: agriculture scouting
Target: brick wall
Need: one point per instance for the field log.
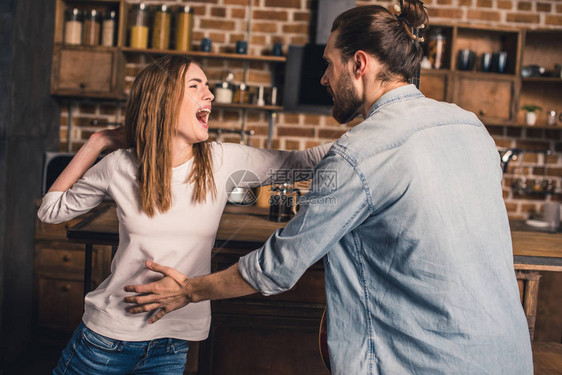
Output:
(292, 22)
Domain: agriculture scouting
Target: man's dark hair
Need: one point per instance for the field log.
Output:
(387, 36)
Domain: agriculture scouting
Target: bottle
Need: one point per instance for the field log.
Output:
(184, 26)
(138, 26)
(436, 49)
(91, 33)
(73, 26)
(108, 29)
(161, 28)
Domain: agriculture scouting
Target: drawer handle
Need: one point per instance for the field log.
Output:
(82, 86)
(66, 258)
(481, 113)
(66, 287)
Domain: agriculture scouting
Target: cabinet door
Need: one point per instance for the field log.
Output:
(435, 85)
(491, 97)
(59, 281)
(60, 302)
(84, 71)
(262, 345)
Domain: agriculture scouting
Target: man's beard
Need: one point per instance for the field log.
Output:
(346, 107)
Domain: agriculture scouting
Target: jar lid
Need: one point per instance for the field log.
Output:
(110, 15)
(92, 13)
(74, 12)
(186, 9)
(163, 8)
(141, 6)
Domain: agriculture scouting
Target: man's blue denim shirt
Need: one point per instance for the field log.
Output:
(407, 211)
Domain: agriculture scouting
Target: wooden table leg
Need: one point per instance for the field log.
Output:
(88, 269)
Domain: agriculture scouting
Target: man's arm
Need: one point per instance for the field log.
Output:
(175, 290)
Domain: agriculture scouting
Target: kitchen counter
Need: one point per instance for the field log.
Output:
(242, 227)
(247, 227)
(536, 248)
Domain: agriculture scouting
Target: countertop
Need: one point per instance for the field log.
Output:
(247, 227)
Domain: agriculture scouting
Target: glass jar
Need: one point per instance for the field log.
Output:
(184, 26)
(436, 49)
(73, 26)
(241, 94)
(91, 33)
(223, 93)
(161, 28)
(138, 26)
(108, 29)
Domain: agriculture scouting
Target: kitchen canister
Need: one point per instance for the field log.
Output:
(108, 28)
(161, 28)
(73, 26)
(184, 26)
(138, 26)
(91, 28)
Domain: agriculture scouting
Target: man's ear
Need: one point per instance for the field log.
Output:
(360, 62)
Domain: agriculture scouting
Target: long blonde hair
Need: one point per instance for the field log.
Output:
(151, 121)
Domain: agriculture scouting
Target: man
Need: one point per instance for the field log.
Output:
(417, 248)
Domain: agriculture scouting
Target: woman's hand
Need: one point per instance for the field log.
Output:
(166, 295)
(110, 139)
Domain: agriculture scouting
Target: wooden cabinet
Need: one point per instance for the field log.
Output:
(100, 72)
(59, 276)
(490, 96)
(266, 335)
(84, 72)
(495, 97)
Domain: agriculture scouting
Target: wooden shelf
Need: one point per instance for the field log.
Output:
(542, 79)
(79, 47)
(435, 72)
(209, 55)
(274, 108)
(525, 126)
(89, 95)
(484, 75)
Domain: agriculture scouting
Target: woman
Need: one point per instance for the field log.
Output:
(170, 187)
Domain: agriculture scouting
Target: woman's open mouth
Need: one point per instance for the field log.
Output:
(202, 116)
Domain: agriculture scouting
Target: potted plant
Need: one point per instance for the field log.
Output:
(531, 114)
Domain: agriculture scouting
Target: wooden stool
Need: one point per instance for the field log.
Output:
(528, 282)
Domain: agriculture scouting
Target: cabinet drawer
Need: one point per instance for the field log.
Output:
(66, 259)
(491, 97)
(85, 71)
(60, 302)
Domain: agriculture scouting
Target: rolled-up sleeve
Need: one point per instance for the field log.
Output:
(337, 203)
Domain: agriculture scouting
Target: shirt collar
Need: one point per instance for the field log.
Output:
(399, 94)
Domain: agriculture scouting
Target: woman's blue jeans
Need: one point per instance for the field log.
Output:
(90, 353)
